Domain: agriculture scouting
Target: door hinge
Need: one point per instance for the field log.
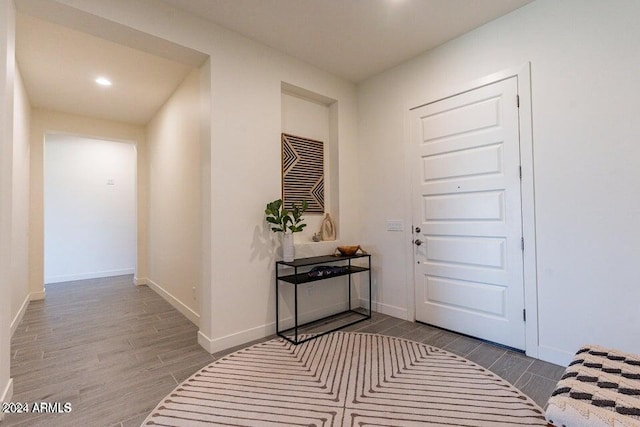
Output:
(520, 172)
(522, 243)
(518, 101)
(524, 314)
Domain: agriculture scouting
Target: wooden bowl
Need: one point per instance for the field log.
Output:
(348, 250)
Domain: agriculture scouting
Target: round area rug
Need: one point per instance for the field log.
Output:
(345, 379)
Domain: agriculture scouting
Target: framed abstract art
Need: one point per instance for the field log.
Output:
(303, 172)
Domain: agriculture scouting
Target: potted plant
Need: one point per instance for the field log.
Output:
(286, 222)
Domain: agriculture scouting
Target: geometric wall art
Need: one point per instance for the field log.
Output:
(303, 172)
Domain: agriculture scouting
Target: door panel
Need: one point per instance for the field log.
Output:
(462, 118)
(469, 271)
(467, 250)
(466, 162)
(477, 206)
(466, 295)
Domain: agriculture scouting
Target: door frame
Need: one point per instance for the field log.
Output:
(527, 193)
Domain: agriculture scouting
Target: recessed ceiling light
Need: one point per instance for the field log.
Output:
(103, 81)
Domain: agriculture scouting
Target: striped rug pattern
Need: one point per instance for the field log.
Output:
(345, 379)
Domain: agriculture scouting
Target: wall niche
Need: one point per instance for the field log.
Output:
(313, 117)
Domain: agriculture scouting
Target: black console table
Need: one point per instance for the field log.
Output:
(301, 277)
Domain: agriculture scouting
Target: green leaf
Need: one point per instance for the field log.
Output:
(284, 219)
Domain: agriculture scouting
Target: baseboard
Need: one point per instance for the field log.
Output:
(37, 296)
(33, 296)
(7, 395)
(389, 310)
(139, 281)
(20, 314)
(84, 276)
(235, 339)
(206, 343)
(175, 302)
(555, 355)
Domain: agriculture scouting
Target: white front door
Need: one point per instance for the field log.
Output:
(467, 208)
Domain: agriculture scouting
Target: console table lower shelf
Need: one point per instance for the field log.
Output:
(300, 333)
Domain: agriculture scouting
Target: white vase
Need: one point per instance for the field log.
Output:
(288, 249)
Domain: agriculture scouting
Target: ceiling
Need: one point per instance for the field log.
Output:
(354, 39)
(59, 67)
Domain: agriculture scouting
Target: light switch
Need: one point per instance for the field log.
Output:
(395, 225)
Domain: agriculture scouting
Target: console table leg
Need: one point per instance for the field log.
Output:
(349, 286)
(370, 295)
(277, 305)
(295, 297)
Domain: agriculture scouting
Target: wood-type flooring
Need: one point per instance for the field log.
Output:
(113, 350)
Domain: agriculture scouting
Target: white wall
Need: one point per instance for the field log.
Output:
(246, 174)
(584, 59)
(90, 208)
(48, 122)
(174, 228)
(245, 125)
(7, 72)
(20, 229)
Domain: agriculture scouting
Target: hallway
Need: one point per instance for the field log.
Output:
(111, 349)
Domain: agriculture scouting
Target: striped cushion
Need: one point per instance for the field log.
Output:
(600, 387)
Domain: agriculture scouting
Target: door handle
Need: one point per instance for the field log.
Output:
(418, 242)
